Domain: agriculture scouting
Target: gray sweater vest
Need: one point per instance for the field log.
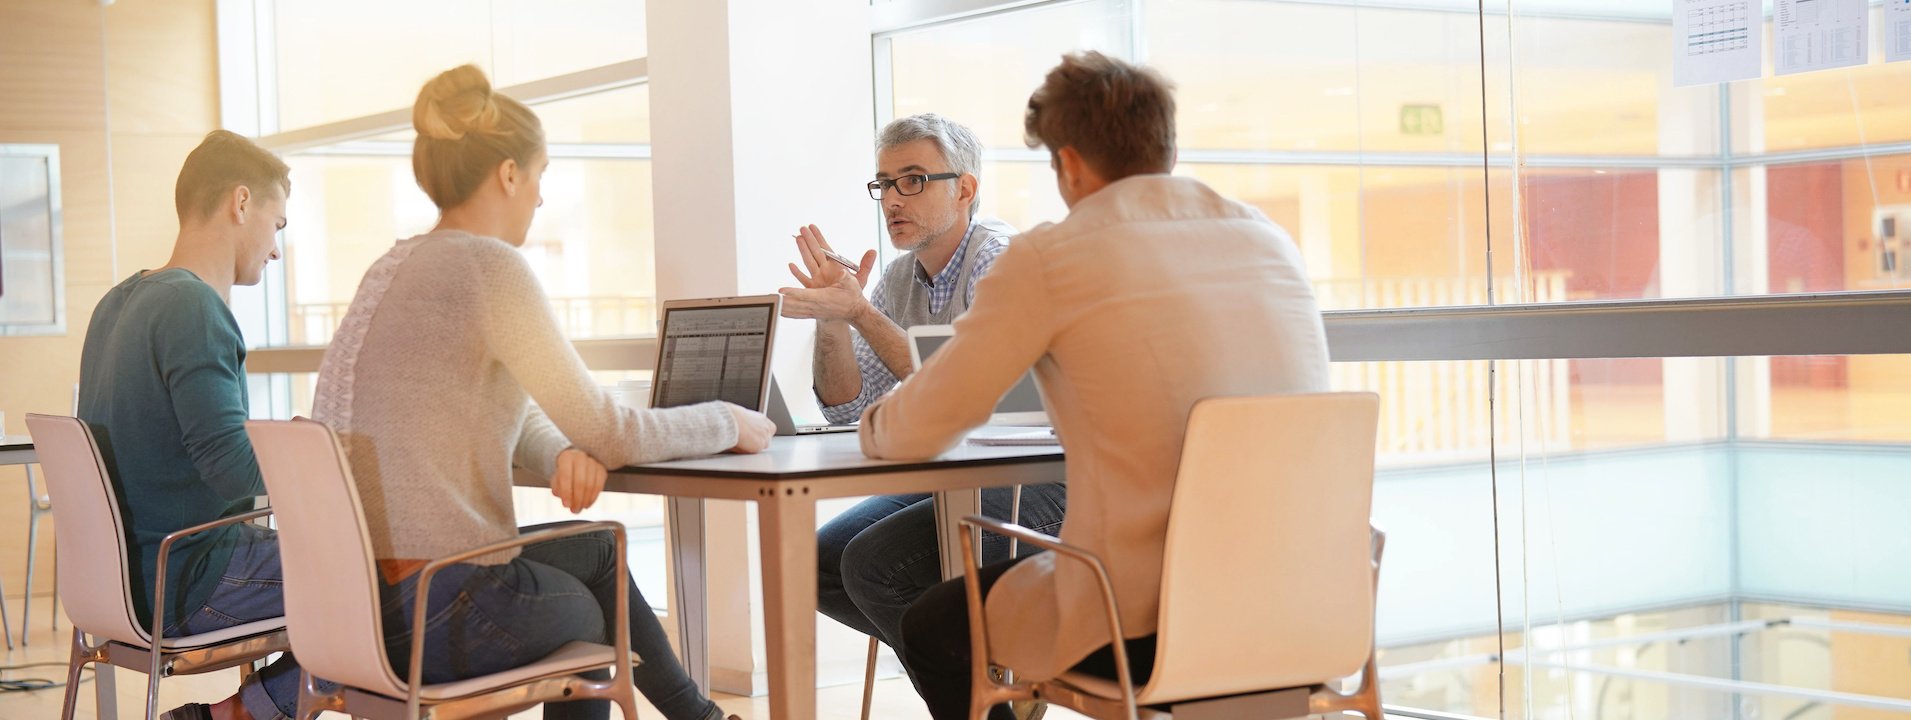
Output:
(907, 302)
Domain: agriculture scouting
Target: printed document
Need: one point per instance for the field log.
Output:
(1715, 41)
(1812, 35)
(1897, 30)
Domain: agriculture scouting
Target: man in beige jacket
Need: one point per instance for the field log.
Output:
(1154, 293)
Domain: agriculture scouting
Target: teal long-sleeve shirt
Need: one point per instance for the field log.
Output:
(162, 384)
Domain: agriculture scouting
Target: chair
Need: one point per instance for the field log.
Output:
(38, 505)
(97, 580)
(1268, 576)
(332, 601)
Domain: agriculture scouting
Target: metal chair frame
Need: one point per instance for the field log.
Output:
(869, 664)
(1286, 702)
(498, 700)
(153, 658)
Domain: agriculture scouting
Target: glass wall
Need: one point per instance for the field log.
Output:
(342, 59)
(1626, 536)
(330, 67)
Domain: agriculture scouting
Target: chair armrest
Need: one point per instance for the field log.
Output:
(165, 549)
(978, 619)
(620, 638)
(1022, 534)
(520, 541)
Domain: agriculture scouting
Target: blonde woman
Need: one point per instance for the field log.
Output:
(429, 383)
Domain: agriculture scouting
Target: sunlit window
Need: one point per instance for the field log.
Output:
(1610, 537)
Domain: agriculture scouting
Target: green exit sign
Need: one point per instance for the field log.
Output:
(1421, 120)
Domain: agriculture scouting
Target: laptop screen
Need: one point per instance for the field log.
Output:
(714, 353)
(1023, 398)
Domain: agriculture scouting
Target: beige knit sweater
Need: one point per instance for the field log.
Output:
(429, 381)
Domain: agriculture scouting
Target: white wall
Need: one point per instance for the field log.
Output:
(762, 121)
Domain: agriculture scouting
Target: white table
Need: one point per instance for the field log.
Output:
(785, 482)
(17, 450)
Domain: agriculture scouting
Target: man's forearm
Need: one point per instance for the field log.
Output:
(838, 380)
(888, 339)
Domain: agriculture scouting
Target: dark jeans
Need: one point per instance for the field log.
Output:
(876, 559)
(936, 641)
(497, 618)
(482, 619)
(251, 588)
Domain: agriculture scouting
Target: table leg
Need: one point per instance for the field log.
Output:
(951, 507)
(788, 537)
(691, 602)
(6, 625)
(33, 544)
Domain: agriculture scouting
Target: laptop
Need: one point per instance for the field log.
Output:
(779, 413)
(720, 349)
(715, 349)
(1020, 410)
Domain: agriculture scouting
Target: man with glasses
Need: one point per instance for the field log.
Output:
(877, 558)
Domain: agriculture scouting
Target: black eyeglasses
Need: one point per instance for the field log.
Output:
(906, 185)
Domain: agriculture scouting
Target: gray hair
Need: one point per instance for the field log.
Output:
(958, 146)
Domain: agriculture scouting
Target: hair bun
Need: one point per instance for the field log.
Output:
(455, 103)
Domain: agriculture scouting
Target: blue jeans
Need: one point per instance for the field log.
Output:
(498, 618)
(251, 588)
(880, 556)
(483, 619)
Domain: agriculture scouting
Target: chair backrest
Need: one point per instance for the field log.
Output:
(1267, 579)
(331, 580)
(95, 579)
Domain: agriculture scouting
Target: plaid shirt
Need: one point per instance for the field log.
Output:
(877, 379)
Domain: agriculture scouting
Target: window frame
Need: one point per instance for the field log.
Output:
(56, 248)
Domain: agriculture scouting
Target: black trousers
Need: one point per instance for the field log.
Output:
(935, 634)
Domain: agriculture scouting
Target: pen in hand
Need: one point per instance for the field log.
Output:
(843, 261)
(839, 260)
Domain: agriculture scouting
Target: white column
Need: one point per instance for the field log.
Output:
(1750, 252)
(761, 121)
(1690, 248)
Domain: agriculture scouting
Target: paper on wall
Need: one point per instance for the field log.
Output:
(1715, 41)
(1897, 30)
(1818, 34)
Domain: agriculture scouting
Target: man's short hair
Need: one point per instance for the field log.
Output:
(223, 161)
(1119, 117)
(958, 146)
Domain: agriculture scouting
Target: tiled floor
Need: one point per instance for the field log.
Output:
(895, 699)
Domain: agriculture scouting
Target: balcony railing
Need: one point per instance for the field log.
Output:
(579, 317)
(1440, 410)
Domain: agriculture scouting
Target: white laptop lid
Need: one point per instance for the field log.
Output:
(1021, 406)
(715, 349)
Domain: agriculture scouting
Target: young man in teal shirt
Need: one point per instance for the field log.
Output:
(162, 384)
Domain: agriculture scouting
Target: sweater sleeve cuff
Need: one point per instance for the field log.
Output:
(539, 443)
(867, 432)
(701, 429)
(723, 426)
